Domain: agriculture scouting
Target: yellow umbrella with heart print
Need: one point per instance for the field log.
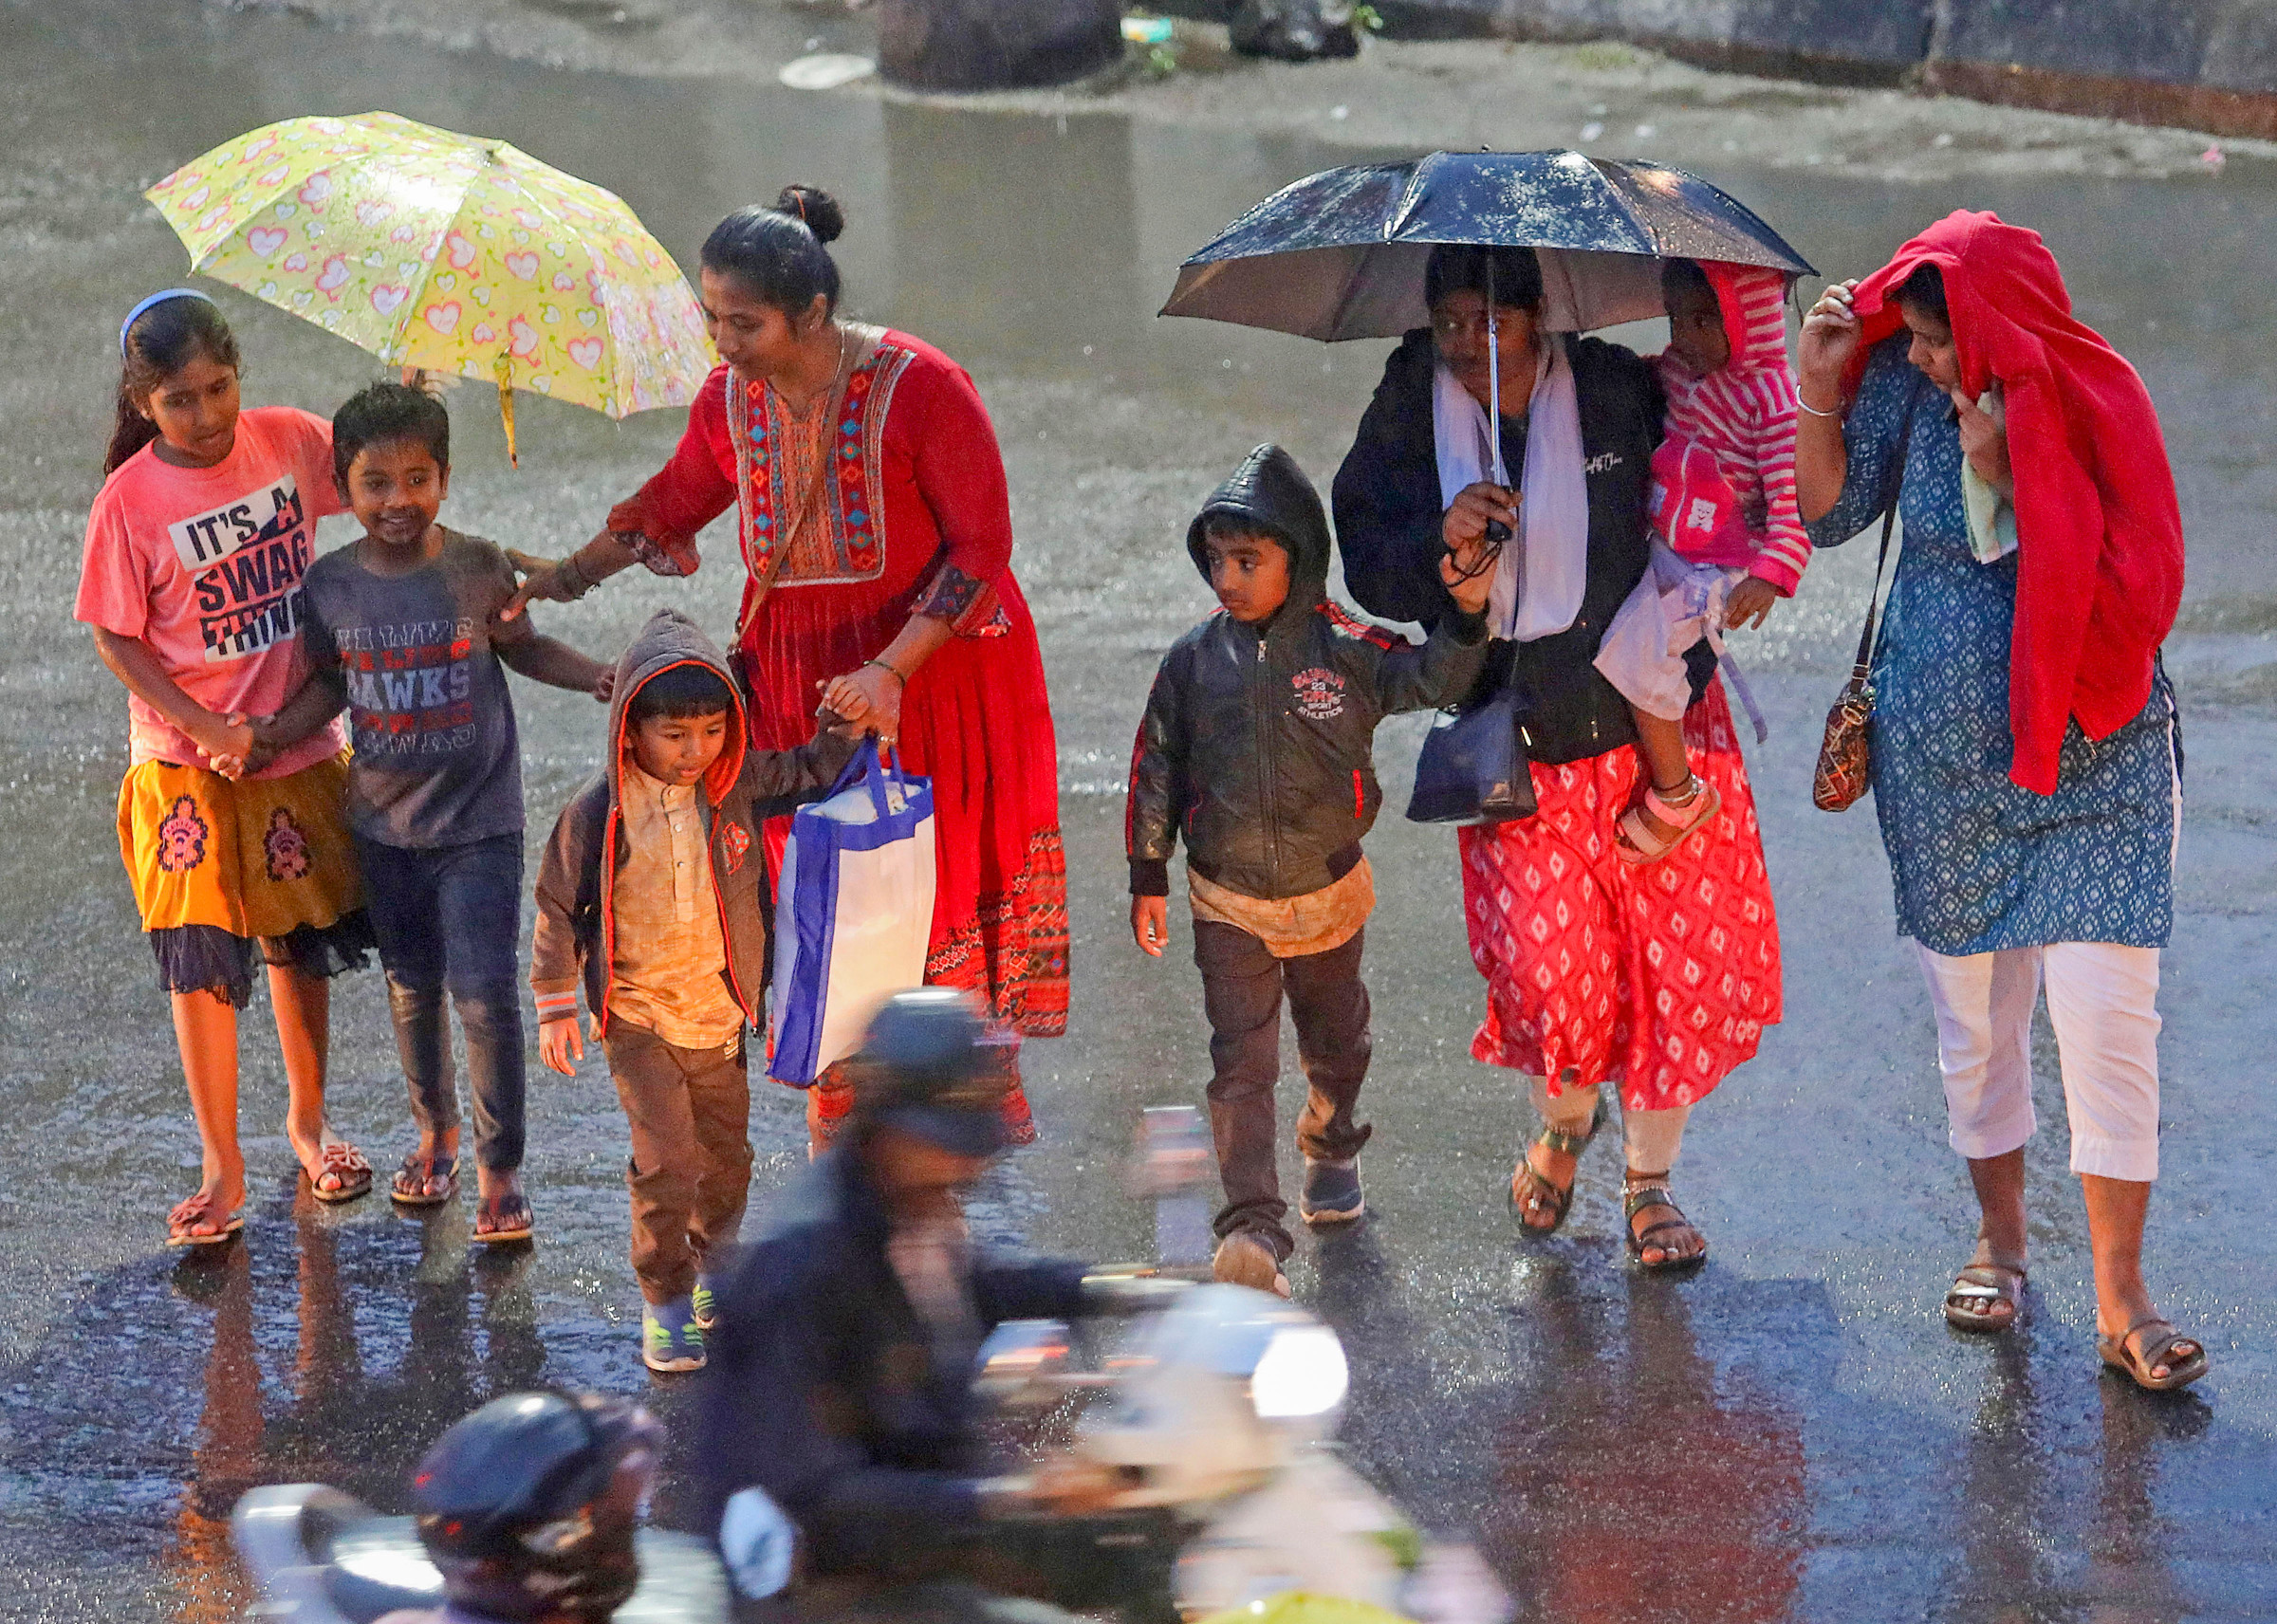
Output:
(446, 252)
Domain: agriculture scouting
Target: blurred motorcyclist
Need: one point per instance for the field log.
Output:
(840, 1377)
(529, 1507)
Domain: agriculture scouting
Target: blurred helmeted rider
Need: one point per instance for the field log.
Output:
(840, 1382)
(529, 1507)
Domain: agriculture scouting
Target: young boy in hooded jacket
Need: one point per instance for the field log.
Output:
(1256, 747)
(653, 890)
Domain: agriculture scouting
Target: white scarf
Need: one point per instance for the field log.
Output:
(1538, 583)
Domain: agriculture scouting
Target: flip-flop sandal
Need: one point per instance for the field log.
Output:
(1643, 1198)
(1528, 1185)
(501, 1220)
(185, 1213)
(409, 1186)
(2120, 1354)
(1638, 845)
(1986, 1281)
(345, 1162)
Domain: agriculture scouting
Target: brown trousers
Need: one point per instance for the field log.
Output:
(690, 1172)
(1243, 985)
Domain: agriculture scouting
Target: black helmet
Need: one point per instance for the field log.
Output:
(529, 1506)
(929, 1067)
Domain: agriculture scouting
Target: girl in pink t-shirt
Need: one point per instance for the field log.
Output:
(192, 583)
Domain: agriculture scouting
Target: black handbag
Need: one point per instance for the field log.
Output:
(1472, 769)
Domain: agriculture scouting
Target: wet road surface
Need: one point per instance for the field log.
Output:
(1793, 1433)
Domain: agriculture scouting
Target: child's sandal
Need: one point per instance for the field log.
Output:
(182, 1222)
(1639, 843)
(346, 1165)
(414, 1184)
(502, 1219)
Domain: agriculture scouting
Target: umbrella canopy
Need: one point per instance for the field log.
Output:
(449, 252)
(1340, 254)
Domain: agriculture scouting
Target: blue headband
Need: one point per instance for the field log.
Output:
(136, 314)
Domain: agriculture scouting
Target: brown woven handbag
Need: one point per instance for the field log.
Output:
(1845, 753)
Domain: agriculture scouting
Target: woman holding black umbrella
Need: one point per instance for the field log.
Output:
(1658, 978)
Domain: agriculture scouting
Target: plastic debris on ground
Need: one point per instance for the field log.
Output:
(825, 70)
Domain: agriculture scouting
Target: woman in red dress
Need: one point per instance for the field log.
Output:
(875, 531)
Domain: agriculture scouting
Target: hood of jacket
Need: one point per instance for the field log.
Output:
(670, 640)
(1270, 492)
(1752, 302)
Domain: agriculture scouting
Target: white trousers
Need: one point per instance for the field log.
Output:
(1651, 1138)
(2102, 1001)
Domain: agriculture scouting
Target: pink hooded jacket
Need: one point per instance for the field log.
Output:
(1744, 415)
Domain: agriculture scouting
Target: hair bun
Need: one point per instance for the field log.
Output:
(820, 212)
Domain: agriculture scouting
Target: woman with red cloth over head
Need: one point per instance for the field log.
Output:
(875, 524)
(2027, 762)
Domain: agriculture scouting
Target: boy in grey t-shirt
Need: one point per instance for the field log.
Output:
(402, 629)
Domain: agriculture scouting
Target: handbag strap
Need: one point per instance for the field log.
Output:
(1893, 485)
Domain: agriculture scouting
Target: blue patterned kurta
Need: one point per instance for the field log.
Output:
(1978, 862)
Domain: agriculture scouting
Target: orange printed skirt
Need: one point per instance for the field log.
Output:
(228, 872)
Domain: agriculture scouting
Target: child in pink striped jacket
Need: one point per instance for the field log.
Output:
(1728, 541)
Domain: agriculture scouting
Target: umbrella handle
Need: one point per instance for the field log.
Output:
(503, 367)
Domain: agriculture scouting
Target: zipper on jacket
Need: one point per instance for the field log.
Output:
(1269, 818)
(608, 913)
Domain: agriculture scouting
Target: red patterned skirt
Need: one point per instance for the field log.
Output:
(1661, 977)
(975, 719)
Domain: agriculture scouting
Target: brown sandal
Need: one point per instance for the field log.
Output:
(1986, 1281)
(1644, 1198)
(2121, 1354)
(1529, 1188)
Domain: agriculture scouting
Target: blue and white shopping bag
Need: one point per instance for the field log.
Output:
(853, 913)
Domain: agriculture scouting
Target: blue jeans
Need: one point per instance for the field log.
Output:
(449, 917)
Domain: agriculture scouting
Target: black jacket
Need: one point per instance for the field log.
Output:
(577, 876)
(1387, 522)
(1257, 741)
(822, 1388)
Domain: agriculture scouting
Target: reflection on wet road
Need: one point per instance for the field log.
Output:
(1792, 1434)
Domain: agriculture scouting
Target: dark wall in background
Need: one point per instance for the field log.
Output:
(2203, 63)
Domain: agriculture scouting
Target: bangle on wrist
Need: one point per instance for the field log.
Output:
(570, 576)
(882, 665)
(1813, 411)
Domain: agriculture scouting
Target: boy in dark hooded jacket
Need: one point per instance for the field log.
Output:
(653, 890)
(1257, 747)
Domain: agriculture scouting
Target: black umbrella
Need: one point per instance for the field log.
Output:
(1340, 254)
